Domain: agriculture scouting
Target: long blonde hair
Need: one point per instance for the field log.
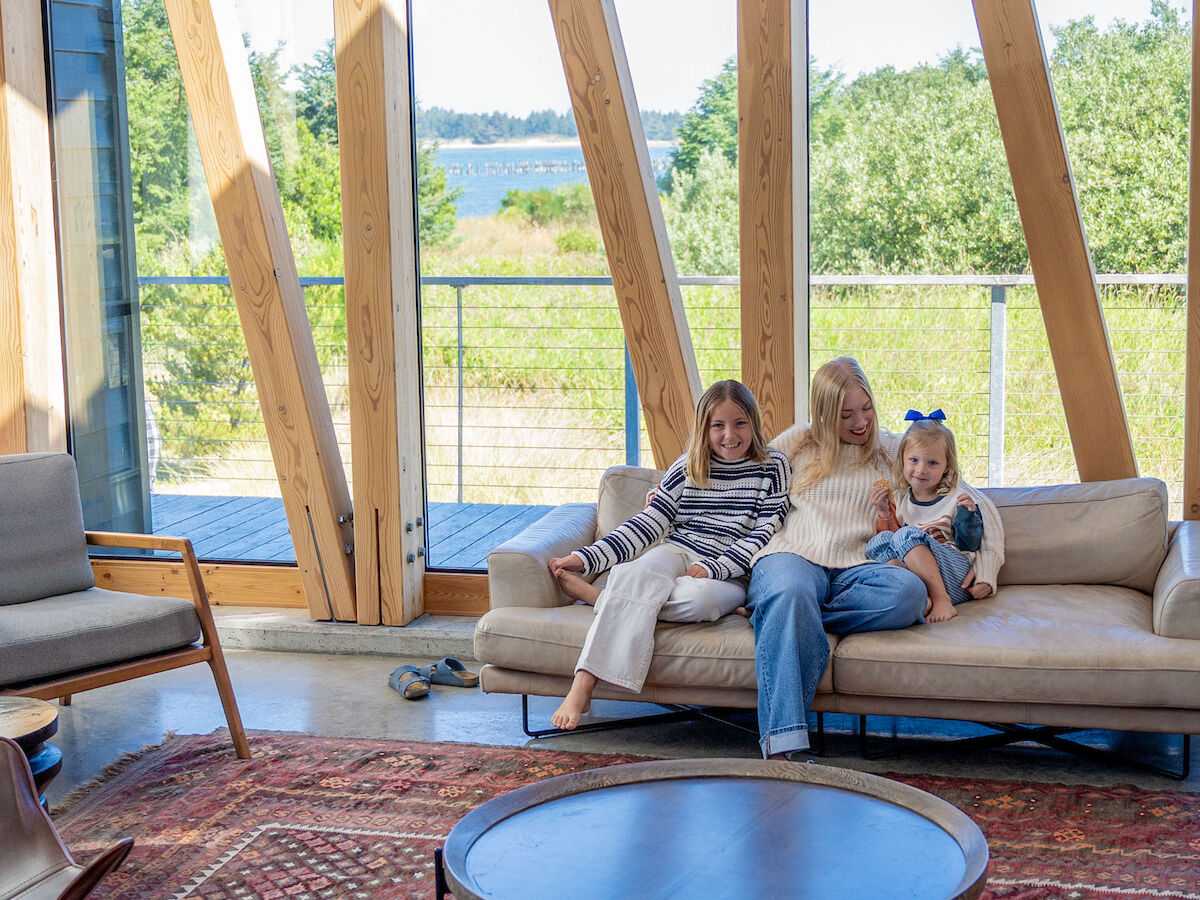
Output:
(924, 433)
(830, 385)
(699, 461)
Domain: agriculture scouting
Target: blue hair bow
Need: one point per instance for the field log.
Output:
(913, 416)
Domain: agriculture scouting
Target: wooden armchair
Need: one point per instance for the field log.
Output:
(59, 633)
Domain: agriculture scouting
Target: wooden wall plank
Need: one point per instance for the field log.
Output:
(773, 207)
(270, 301)
(382, 307)
(1191, 381)
(278, 587)
(631, 221)
(229, 584)
(32, 389)
(1058, 251)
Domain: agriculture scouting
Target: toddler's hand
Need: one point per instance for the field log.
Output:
(965, 501)
(569, 563)
(881, 498)
(695, 570)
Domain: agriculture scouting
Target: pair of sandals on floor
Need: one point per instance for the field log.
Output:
(413, 683)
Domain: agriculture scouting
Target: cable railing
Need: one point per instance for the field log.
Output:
(529, 392)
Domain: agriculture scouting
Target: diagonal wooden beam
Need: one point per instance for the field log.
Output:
(1191, 381)
(382, 305)
(631, 220)
(32, 390)
(1058, 250)
(773, 206)
(270, 301)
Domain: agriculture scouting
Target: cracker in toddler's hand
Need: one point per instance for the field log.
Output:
(890, 495)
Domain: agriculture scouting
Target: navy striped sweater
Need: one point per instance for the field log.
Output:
(724, 525)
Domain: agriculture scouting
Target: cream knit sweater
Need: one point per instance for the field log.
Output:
(829, 522)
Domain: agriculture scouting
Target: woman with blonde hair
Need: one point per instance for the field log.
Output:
(813, 575)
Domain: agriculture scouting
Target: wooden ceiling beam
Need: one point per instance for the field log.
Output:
(1058, 252)
(270, 301)
(382, 307)
(773, 206)
(1191, 378)
(631, 220)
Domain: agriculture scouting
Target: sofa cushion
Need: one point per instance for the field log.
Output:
(622, 493)
(548, 641)
(1101, 532)
(42, 548)
(87, 629)
(1063, 644)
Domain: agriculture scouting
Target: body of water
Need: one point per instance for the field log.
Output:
(489, 171)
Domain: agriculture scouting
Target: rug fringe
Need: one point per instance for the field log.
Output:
(110, 771)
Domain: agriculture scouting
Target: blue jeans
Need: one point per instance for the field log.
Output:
(792, 603)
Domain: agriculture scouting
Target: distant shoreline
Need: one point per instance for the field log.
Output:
(532, 143)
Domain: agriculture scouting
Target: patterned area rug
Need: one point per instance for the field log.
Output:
(335, 818)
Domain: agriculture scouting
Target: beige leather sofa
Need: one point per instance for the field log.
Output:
(1095, 622)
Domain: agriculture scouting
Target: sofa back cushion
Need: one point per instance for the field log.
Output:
(42, 548)
(623, 493)
(1101, 532)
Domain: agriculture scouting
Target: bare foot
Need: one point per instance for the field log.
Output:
(940, 609)
(742, 611)
(577, 589)
(576, 703)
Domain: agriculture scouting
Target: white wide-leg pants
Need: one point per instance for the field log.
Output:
(639, 593)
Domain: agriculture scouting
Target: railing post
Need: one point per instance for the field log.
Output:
(458, 292)
(633, 427)
(996, 387)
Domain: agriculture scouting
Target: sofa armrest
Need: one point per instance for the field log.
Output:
(1177, 589)
(518, 570)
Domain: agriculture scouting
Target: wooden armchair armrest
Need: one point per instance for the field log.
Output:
(139, 541)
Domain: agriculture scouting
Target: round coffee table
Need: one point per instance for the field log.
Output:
(31, 723)
(715, 828)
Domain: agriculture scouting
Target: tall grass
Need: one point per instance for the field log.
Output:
(542, 374)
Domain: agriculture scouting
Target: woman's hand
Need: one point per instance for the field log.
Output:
(978, 590)
(880, 499)
(569, 563)
(695, 570)
(965, 501)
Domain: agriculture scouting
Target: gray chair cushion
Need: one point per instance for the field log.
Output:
(42, 548)
(88, 629)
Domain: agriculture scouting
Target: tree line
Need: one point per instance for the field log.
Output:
(438, 124)
(908, 172)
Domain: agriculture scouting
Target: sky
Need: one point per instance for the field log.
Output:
(501, 55)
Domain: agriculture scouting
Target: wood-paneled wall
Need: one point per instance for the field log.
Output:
(270, 301)
(1058, 250)
(32, 389)
(382, 304)
(631, 220)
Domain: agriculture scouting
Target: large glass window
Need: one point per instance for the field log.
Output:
(918, 256)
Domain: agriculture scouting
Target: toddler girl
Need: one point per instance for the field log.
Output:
(716, 507)
(962, 530)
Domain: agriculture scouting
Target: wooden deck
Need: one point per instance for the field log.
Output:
(246, 529)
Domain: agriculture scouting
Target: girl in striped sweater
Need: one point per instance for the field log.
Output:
(715, 509)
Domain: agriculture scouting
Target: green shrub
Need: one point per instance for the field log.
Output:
(576, 240)
(568, 203)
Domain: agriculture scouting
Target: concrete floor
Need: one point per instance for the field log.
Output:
(344, 694)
